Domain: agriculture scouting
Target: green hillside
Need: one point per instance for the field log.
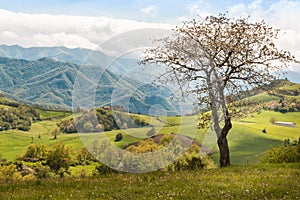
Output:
(246, 139)
(52, 84)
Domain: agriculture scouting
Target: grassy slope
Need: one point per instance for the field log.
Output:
(46, 114)
(263, 97)
(243, 182)
(246, 139)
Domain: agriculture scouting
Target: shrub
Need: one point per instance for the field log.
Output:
(119, 137)
(166, 139)
(29, 177)
(59, 158)
(35, 152)
(42, 171)
(282, 154)
(99, 128)
(10, 173)
(88, 127)
(140, 122)
(190, 160)
(67, 126)
(283, 110)
(84, 156)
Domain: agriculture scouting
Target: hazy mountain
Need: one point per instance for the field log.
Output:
(63, 54)
(85, 56)
(50, 82)
(78, 56)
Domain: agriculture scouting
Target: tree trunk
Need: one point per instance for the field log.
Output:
(223, 144)
(224, 151)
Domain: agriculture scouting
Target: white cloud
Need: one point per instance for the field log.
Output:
(283, 14)
(149, 11)
(200, 8)
(62, 30)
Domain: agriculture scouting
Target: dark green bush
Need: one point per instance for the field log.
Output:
(59, 158)
(119, 137)
(282, 154)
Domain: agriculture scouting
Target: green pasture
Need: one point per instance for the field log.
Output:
(246, 139)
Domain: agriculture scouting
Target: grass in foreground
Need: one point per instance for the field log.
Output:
(243, 182)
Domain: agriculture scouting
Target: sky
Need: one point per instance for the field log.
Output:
(143, 10)
(88, 23)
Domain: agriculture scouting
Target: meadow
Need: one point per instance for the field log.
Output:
(246, 139)
(246, 178)
(280, 181)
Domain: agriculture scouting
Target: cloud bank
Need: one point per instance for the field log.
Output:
(30, 30)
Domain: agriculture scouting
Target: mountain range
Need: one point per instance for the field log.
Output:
(78, 56)
(50, 75)
(50, 82)
(85, 56)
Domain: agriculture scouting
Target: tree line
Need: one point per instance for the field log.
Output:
(19, 118)
(99, 119)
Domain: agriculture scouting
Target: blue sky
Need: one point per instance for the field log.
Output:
(162, 10)
(88, 23)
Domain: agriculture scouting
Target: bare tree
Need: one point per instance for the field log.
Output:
(216, 58)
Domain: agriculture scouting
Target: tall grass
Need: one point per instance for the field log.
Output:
(247, 182)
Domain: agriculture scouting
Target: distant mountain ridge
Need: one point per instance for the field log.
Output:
(77, 56)
(50, 82)
(83, 56)
(63, 54)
